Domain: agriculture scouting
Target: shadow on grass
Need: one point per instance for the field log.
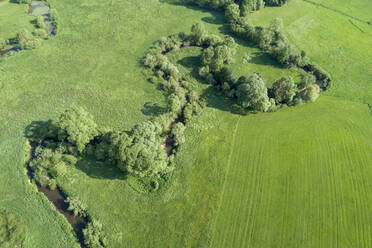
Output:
(153, 109)
(95, 169)
(215, 99)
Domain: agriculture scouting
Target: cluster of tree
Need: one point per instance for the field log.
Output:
(138, 152)
(93, 235)
(12, 230)
(74, 133)
(251, 93)
(49, 165)
(183, 103)
(273, 41)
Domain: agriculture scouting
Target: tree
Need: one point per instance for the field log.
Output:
(284, 90)
(252, 93)
(77, 127)
(198, 33)
(311, 93)
(215, 57)
(232, 12)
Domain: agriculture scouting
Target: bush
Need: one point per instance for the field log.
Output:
(93, 236)
(26, 40)
(177, 133)
(76, 206)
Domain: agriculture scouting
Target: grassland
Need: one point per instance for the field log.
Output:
(338, 43)
(13, 18)
(299, 176)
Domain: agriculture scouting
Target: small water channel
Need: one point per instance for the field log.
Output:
(37, 8)
(58, 198)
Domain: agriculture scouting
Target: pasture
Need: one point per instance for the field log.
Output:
(299, 177)
(296, 180)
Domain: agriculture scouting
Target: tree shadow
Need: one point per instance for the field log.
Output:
(262, 58)
(38, 130)
(153, 109)
(193, 63)
(95, 169)
(215, 99)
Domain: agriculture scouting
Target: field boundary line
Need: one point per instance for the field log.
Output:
(224, 181)
(338, 11)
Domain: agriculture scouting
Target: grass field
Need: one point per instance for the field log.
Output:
(295, 178)
(299, 178)
(13, 18)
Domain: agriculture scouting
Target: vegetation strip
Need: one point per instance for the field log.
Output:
(46, 25)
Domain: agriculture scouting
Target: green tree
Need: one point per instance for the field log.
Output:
(232, 12)
(252, 93)
(198, 33)
(284, 90)
(77, 127)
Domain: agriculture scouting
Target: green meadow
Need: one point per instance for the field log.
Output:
(299, 177)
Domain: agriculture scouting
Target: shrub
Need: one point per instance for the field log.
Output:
(26, 40)
(93, 236)
(177, 133)
(76, 206)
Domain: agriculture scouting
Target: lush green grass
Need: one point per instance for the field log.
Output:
(300, 177)
(13, 18)
(338, 43)
(94, 62)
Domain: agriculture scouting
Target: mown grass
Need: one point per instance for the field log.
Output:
(300, 177)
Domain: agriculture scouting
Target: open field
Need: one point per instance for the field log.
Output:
(13, 18)
(299, 177)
